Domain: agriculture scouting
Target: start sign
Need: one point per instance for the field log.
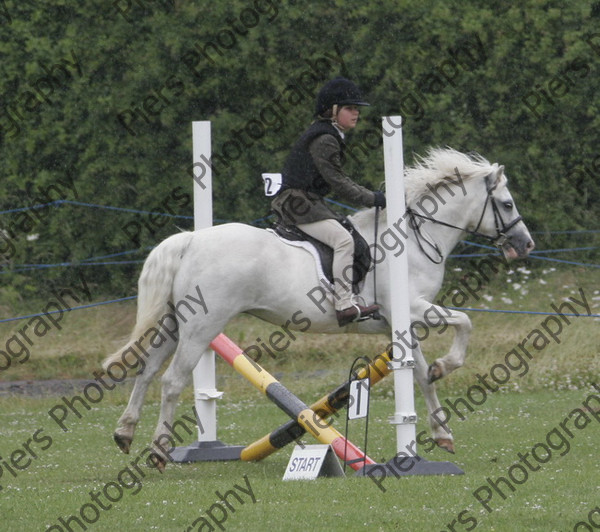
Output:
(312, 461)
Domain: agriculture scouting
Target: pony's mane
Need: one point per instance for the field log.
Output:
(430, 171)
(442, 164)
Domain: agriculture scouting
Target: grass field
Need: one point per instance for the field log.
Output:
(71, 466)
(535, 431)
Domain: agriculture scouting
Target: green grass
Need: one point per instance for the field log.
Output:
(84, 459)
(513, 420)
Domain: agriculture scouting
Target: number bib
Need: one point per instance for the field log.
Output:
(272, 183)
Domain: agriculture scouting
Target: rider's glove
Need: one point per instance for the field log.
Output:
(379, 199)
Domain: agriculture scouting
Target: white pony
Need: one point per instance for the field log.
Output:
(233, 268)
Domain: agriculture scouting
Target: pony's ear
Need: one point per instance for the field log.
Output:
(498, 175)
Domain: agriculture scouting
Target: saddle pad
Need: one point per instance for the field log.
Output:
(312, 250)
(324, 254)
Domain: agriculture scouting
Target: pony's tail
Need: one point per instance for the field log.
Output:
(155, 287)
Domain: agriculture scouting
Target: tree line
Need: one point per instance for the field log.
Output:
(97, 100)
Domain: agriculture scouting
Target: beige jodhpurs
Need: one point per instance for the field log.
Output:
(333, 234)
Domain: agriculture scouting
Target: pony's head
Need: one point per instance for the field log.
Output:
(501, 220)
(445, 173)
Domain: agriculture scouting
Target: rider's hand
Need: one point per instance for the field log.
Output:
(380, 199)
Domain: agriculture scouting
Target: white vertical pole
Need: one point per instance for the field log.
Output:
(404, 417)
(204, 374)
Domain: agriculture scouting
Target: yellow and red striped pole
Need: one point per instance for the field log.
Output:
(328, 404)
(289, 403)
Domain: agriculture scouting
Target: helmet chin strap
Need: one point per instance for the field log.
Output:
(334, 113)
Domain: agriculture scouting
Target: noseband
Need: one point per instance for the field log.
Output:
(501, 226)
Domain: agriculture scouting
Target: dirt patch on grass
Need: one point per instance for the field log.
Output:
(45, 388)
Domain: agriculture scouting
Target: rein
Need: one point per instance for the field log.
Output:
(376, 314)
(498, 240)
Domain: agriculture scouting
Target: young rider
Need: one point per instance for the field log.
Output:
(312, 170)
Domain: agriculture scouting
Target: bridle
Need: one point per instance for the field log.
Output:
(501, 226)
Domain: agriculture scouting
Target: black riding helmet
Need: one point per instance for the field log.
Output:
(339, 91)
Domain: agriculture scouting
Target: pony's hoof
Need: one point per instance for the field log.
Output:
(434, 372)
(123, 442)
(446, 444)
(158, 462)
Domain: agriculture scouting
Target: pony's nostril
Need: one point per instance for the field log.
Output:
(530, 245)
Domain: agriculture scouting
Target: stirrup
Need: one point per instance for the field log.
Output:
(375, 315)
(346, 319)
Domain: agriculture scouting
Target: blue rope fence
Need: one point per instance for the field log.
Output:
(532, 312)
(97, 261)
(62, 311)
(94, 261)
(58, 203)
(533, 255)
(129, 298)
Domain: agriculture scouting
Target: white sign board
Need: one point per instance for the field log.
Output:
(358, 402)
(312, 461)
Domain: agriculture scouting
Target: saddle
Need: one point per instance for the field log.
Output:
(362, 254)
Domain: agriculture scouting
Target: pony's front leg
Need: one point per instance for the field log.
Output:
(455, 357)
(441, 433)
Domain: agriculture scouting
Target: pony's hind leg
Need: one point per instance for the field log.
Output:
(177, 375)
(155, 358)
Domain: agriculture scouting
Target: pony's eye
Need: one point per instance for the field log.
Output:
(508, 205)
